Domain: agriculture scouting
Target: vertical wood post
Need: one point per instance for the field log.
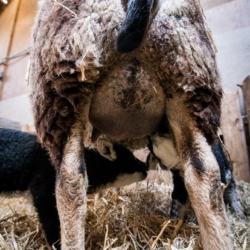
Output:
(245, 87)
(234, 134)
(246, 95)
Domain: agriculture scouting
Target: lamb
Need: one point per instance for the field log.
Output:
(170, 81)
(24, 164)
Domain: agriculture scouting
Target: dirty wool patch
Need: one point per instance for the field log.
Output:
(136, 217)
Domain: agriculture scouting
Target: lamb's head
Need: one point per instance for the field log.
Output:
(117, 167)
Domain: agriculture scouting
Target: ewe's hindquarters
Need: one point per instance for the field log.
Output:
(73, 53)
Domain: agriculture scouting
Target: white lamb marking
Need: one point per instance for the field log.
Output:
(163, 148)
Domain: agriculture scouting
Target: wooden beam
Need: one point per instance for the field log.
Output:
(5, 123)
(245, 87)
(7, 20)
(234, 134)
(246, 95)
(14, 81)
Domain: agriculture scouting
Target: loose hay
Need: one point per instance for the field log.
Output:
(19, 226)
(137, 217)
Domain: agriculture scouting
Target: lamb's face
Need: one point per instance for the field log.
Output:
(116, 167)
(120, 155)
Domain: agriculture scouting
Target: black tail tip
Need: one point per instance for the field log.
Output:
(126, 43)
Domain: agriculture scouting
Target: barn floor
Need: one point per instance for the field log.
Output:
(135, 218)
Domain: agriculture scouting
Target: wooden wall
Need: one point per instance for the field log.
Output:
(16, 22)
(7, 20)
(234, 134)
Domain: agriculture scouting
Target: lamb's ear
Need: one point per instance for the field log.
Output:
(106, 149)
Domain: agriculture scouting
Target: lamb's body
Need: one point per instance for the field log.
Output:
(72, 56)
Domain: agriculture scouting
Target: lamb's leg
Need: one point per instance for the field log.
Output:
(201, 174)
(163, 151)
(231, 197)
(179, 197)
(42, 189)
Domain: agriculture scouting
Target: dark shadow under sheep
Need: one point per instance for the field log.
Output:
(79, 75)
(24, 164)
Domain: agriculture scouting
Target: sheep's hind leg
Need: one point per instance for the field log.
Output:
(71, 187)
(61, 114)
(201, 174)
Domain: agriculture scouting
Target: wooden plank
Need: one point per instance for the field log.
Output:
(234, 134)
(29, 128)
(7, 20)
(14, 81)
(5, 123)
(246, 95)
(245, 87)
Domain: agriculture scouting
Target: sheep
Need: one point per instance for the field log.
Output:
(24, 165)
(79, 74)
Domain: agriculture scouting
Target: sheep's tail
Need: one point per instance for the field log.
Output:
(134, 27)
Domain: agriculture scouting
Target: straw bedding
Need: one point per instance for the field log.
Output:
(136, 217)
